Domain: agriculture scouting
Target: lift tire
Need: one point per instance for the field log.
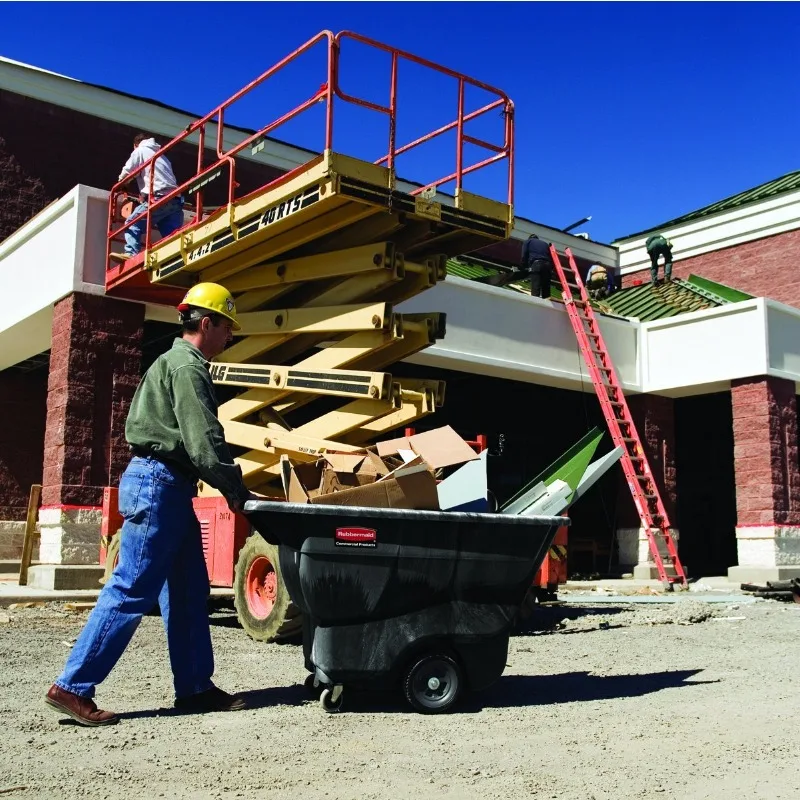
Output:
(259, 594)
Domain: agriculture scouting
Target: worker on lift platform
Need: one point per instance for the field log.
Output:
(166, 218)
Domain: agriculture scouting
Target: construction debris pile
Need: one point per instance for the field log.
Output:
(429, 471)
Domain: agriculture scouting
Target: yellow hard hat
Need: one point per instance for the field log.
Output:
(211, 297)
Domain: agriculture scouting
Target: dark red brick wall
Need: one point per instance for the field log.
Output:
(766, 267)
(23, 398)
(22, 195)
(46, 150)
(94, 370)
(765, 451)
(654, 417)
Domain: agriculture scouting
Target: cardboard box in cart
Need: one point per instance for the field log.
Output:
(400, 473)
(409, 486)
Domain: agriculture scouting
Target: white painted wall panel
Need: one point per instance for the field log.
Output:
(705, 347)
(37, 262)
(783, 339)
(496, 332)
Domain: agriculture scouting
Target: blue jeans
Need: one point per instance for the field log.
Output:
(167, 218)
(161, 559)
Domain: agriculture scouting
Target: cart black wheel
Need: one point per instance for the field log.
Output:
(328, 703)
(314, 691)
(434, 684)
(259, 593)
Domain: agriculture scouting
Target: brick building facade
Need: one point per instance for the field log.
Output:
(69, 415)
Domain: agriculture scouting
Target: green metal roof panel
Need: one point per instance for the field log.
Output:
(646, 302)
(782, 185)
(719, 290)
(649, 302)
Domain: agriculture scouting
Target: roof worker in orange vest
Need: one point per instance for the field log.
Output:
(176, 439)
(656, 247)
(168, 217)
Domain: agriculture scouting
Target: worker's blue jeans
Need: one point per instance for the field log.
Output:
(167, 219)
(161, 559)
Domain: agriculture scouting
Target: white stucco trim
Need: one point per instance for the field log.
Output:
(490, 331)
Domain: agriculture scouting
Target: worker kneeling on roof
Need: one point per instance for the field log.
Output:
(597, 282)
(176, 439)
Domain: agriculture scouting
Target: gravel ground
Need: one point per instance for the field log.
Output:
(687, 700)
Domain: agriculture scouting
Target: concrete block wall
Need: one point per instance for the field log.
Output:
(767, 478)
(94, 371)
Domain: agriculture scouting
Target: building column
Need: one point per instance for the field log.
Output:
(95, 362)
(23, 397)
(654, 417)
(767, 480)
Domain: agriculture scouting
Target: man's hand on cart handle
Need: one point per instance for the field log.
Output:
(238, 505)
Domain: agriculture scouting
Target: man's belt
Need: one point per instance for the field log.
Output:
(143, 452)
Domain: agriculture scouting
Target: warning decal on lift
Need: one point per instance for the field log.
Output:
(558, 552)
(263, 219)
(356, 537)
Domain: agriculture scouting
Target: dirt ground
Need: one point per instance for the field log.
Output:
(687, 701)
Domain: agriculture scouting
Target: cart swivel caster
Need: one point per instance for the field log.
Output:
(433, 684)
(313, 686)
(332, 698)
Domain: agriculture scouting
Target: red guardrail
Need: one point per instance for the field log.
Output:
(329, 89)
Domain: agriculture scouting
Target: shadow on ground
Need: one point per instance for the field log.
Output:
(532, 690)
(509, 692)
(256, 698)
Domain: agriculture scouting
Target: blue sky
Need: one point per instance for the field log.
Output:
(633, 113)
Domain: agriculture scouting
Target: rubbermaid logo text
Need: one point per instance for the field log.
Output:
(355, 537)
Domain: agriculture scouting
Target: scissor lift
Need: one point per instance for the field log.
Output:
(317, 259)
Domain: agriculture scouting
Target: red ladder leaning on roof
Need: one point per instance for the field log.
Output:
(620, 422)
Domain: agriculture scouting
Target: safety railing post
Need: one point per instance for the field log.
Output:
(460, 135)
(201, 145)
(509, 137)
(333, 72)
(393, 114)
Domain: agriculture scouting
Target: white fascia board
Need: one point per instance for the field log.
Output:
(724, 229)
(582, 248)
(60, 90)
(683, 355)
(506, 334)
(782, 332)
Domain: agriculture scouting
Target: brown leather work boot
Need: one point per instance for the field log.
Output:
(213, 699)
(82, 709)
